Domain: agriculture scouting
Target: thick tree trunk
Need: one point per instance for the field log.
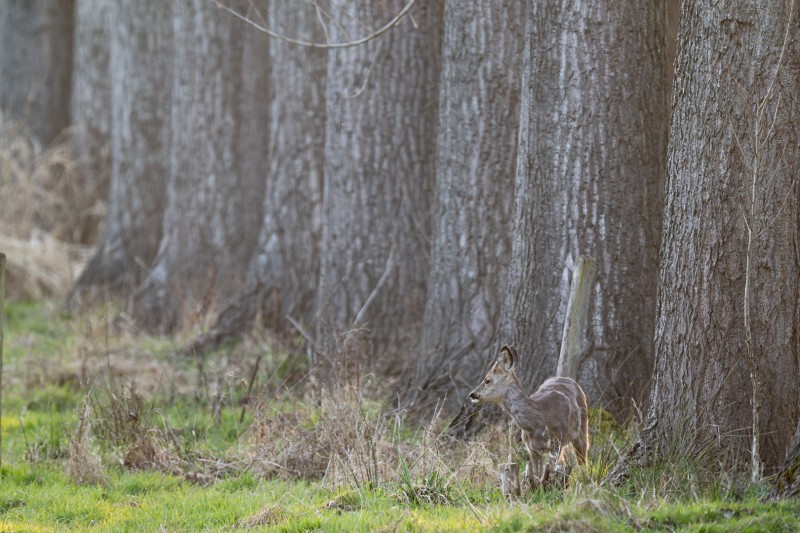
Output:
(592, 149)
(215, 191)
(36, 64)
(91, 107)
(141, 60)
(787, 482)
(476, 159)
(379, 172)
(729, 301)
(285, 267)
(673, 20)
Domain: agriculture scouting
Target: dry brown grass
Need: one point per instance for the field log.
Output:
(270, 515)
(346, 440)
(48, 214)
(83, 463)
(41, 266)
(342, 436)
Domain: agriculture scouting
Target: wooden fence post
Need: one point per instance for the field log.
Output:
(574, 344)
(509, 472)
(509, 480)
(2, 318)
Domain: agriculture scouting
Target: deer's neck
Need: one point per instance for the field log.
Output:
(522, 408)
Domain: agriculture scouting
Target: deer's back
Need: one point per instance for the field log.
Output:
(567, 386)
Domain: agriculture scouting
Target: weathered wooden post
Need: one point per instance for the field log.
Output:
(509, 472)
(509, 480)
(574, 344)
(2, 315)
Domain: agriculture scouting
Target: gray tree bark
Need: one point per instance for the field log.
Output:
(787, 482)
(141, 59)
(734, 159)
(91, 107)
(673, 20)
(36, 64)
(475, 164)
(379, 171)
(218, 158)
(592, 156)
(593, 137)
(284, 269)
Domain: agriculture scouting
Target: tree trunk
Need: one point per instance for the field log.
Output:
(36, 64)
(91, 107)
(589, 182)
(673, 20)
(728, 293)
(476, 158)
(787, 483)
(141, 61)
(216, 177)
(379, 169)
(285, 267)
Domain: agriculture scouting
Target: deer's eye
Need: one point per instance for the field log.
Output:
(488, 380)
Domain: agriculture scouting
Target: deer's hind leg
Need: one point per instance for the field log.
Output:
(581, 444)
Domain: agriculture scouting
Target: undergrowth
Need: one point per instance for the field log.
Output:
(104, 430)
(50, 213)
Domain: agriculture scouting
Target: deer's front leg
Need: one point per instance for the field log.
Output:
(532, 478)
(532, 469)
(549, 471)
(558, 470)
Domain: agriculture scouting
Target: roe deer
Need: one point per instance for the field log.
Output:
(553, 417)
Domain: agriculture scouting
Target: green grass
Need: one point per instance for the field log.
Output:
(40, 497)
(45, 351)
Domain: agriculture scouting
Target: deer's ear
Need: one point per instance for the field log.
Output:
(507, 357)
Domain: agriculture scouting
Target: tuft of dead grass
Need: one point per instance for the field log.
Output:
(83, 464)
(315, 440)
(49, 214)
(41, 266)
(270, 515)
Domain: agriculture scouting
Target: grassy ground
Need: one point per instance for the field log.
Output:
(104, 430)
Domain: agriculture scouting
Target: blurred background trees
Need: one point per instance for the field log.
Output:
(413, 183)
(140, 79)
(36, 38)
(473, 203)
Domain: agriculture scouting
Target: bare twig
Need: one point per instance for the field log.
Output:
(389, 264)
(301, 331)
(363, 86)
(300, 42)
(250, 388)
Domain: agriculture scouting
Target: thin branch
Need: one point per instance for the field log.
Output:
(301, 331)
(780, 58)
(323, 12)
(363, 87)
(299, 42)
(374, 293)
(319, 12)
(739, 146)
(254, 9)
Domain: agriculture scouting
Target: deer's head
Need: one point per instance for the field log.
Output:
(499, 380)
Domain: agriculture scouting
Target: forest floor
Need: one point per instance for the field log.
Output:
(104, 429)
